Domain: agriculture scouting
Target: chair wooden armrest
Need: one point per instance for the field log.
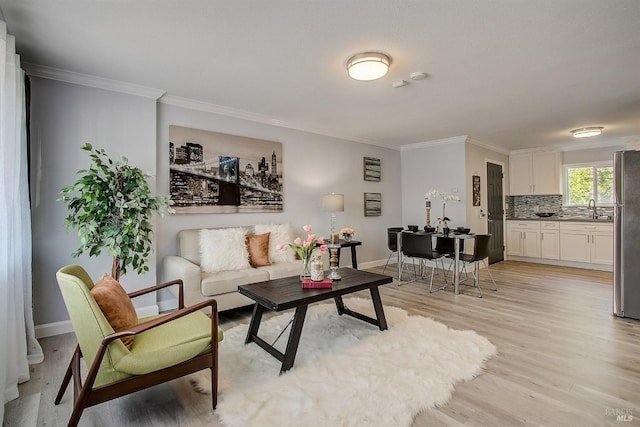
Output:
(150, 289)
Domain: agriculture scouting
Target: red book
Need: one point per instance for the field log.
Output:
(310, 284)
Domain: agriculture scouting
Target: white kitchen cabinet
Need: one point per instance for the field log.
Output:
(523, 238)
(520, 174)
(586, 242)
(602, 246)
(550, 240)
(534, 173)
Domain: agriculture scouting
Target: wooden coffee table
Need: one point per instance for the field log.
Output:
(287, 293)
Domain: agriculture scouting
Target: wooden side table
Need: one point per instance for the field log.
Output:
(351, 244)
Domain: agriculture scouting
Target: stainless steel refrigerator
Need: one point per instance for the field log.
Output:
(626, 234)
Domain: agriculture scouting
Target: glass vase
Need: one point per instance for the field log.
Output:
(306, 270)
(347, 237)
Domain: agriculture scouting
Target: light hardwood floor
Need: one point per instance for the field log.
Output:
(563, 358)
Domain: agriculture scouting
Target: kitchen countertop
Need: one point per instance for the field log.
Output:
(552, 218)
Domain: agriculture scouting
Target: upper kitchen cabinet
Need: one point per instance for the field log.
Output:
(534, 172)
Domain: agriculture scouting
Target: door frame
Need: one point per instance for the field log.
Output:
(486, 191)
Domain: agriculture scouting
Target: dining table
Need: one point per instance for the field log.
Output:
(457, 237)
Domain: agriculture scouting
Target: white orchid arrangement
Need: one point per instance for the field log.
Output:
(433, 194)
(445, 197)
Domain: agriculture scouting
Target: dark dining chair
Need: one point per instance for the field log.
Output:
(446, 247)
(480, 254)
(420, 246)
(392, 243)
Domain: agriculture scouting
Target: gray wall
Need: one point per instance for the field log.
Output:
(65, 116)
(439, 166)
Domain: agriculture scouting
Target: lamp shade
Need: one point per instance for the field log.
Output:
(368, 66)
(333, 202)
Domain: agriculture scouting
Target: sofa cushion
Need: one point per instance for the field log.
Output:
(258, 247)
(228, 281)
(116, 306)
(223, 249)
(283, 269)
(280, 233)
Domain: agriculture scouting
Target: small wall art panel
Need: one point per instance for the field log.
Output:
(372, 204)
(372, 169)
(476, 190)
(213, 172)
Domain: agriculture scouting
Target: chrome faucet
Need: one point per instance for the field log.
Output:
(592, 206)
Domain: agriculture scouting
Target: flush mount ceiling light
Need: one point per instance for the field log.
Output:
(587, 132)
(368, 65)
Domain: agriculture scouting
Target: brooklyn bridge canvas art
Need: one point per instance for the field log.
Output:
(213, 172)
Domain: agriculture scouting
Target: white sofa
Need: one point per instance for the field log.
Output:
(222, 285)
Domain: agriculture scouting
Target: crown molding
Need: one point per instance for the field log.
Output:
(208, 107)
(35, 70)
(488, 146)
(444, 141)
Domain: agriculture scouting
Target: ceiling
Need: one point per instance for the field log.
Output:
(512, 74)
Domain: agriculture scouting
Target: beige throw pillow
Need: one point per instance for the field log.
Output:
(223, 249)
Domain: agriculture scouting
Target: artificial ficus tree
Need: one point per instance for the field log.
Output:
(111, 208)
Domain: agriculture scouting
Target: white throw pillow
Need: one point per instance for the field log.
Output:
(280, 233)
(223, 249)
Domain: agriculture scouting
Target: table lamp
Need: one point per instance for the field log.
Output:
(333, 203)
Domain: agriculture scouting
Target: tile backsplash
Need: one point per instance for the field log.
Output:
(525, 206)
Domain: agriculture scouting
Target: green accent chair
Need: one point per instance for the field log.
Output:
(165, 347)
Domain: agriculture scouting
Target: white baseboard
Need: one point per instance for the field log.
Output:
(52, 329)
(65, 326)
(167, 305)
(369, 264)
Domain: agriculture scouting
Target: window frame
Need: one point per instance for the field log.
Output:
(594, 166)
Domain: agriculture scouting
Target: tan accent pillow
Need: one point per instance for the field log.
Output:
(280, 233)
(115, 305)
(258, 246)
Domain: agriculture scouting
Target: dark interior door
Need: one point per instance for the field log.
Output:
(495, 212)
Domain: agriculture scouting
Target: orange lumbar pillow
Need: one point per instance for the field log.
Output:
(258, 247)
(115, 305)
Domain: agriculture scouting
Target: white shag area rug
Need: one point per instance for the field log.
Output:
(347, 372)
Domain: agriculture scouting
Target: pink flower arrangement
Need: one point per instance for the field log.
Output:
(304, 248)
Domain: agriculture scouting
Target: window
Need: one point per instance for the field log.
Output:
(589, 181)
